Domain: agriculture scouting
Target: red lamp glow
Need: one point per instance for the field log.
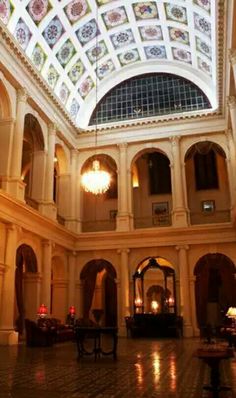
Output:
(42, 311)
(72, 310)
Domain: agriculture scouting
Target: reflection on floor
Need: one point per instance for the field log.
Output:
(145, 368)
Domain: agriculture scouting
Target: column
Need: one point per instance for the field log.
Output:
(124, 288)
(232, 59)
(179, 211)
(79, 298)
(38, 175)
(123, 216)
(231, 171)
(16, 187)
(185, 289)
(8, 335)
(73, 221)
(48, 207)
(232, 109)
(32, 283)
(72, 256)
(192, 281)
(45, 296)
(59, 299)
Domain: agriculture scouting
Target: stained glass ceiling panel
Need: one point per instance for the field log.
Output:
(80, 43)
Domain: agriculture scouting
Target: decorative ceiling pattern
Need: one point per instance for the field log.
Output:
(77, 44)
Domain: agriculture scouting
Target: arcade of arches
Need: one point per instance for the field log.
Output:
(172, 198)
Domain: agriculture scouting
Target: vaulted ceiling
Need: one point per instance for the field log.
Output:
(80, 43)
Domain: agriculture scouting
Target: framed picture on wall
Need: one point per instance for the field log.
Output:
(113, 214)
(160, 213)
(208, 206)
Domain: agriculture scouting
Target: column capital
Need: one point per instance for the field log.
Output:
(74, 152)
(231, 101)
(120, 251)
(22, 95)
(46, 242)
(52, 128)
(123, 146)
(182, 247)
(175, 140)
(232, 56)
(72, 253)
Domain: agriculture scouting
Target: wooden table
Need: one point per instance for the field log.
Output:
(213, 356)
(83, 334)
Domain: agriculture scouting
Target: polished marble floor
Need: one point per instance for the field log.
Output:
(144, 368)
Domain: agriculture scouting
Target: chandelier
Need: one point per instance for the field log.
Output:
(95, 180)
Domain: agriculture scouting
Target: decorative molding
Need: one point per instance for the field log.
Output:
(22, 95)
(231, 101)
(232, 56)
(52, 129)
(182, 247)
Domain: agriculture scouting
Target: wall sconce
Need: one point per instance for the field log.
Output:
(42, 311)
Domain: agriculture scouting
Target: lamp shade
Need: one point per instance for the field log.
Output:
(231, 313)
(42, 311)
(72, 310)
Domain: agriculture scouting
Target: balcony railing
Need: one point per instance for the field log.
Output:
(32, 203)
(98, 225)
(214, 217)
(162, 220)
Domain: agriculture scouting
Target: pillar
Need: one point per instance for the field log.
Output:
(16, 187)
(45, 296)
(124, 289)
(231, 171)
(72, 256)
(192, 281)
(38, 175)
(32, 283)
(73, 221)
(232, 109)
(8, 336)
(59, 299)
(232, 59)
(123, 219)
(179, 211)
(79, 298)
(48, 207)
(185, 289)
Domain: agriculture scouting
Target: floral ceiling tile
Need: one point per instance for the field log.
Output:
(155, 52)
(206, 4)
(22, 34)
(204, 66)
(74, 108)
(203, 47)
(176, 13)
(53, 31)
(97, 52)
(105, 69)
(6, 9)
(129, 57)
(64, 93)
(65, 53)
(52, 76)
(37, 9)
(102, 2)
(86, 86)
(152, 32)
(76, 71)
(123, 38)
(181, 55)
(38, 57)
(115, 17)
(147, 10)
(180, 35)
(76, 9)
(201, 24)
(87, 32)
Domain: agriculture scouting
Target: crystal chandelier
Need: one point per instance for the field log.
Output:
(95, 180)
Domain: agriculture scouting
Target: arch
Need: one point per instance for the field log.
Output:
(196, 77)
(108, 298)
(215, 288)
(5, 104)
(146, 150)
(26, 262)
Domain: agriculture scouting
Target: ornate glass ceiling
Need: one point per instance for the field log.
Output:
(76, 44)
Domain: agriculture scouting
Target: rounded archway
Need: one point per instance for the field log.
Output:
(25, 286)
(100, 291)
(99, 211)
(215, 288)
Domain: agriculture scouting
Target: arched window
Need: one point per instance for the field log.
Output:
(206, 170)
(149, 95)
(159, 173)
